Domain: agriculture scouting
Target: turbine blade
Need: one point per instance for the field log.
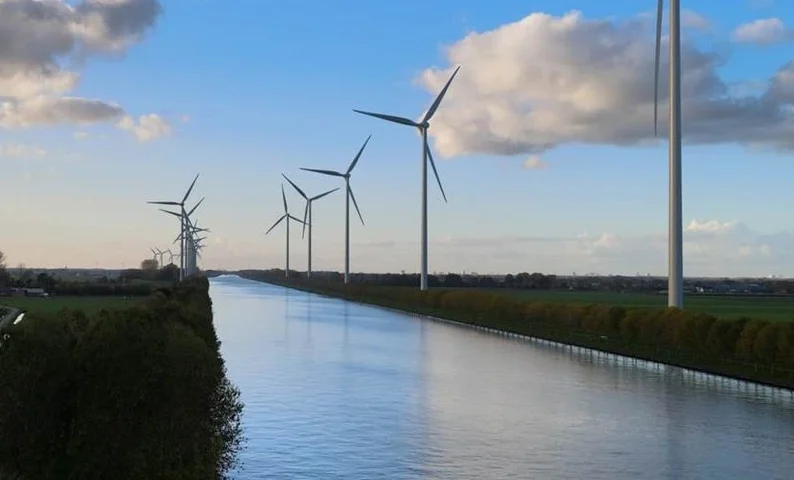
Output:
(440, 97)
(390, 118)
(194, 208)
(277, 222)
(324, 172)
(305, 214)
(659, 13)
(178, 215)
(187, 194)
(435, 172)
(296, 219)
(176, 204)
(295, 186)
(284, 197)
(355, 204)
(358, 155)
(324, 194)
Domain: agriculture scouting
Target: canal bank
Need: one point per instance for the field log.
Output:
(511, 320)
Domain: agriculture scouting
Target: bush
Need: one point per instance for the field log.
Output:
(125, 394)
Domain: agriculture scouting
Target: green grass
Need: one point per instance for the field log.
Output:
(757, 308)
(53, 305)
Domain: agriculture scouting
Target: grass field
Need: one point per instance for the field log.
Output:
(760, 308)
(52, 305)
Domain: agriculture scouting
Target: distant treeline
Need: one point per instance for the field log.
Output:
(755, 350)
(540, 281)
(137, 393)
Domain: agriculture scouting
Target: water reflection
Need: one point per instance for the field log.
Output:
(346, 391)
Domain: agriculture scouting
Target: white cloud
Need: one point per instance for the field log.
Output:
(185, 118)
(711, 226)
(767, 31)
(21, 151)
(534, 162)
(38, 35)
(147, 128)
(80, 135)
(544, 81)
(694, 20)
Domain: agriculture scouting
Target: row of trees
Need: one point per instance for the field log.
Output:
(136, 393)
(540, 281)
(753, 349)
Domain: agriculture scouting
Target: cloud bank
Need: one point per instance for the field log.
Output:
(39, 39)
(545, 81)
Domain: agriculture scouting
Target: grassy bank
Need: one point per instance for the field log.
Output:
(749, 349)
(124, 393)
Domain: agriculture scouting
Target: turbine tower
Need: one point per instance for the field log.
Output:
(423, 127)
(349, 196)
(181, 206)
(288, 217)
(190, 229)
(307, 215)
(675, 255)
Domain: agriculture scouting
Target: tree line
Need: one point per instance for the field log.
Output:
(751, 349)
(132, 393)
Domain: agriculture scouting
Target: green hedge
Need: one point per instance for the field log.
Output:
(137, 393)
(754, 350)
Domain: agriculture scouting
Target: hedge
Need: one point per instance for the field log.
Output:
(136, 393)
(754, 350)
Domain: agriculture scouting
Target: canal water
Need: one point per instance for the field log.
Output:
(336, 390)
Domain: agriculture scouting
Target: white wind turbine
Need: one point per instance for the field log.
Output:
(349, 196)
(187, 256)
(423, 126)
(160, 254)
(288, 217)
(181, 205)
(675, 255)
(307, 218)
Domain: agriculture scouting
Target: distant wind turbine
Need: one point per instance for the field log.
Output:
(288, 217)
(423, 127)
(349, 196)
(675, 255)
(307, 218)
(182, 244)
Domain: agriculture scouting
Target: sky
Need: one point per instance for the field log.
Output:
(544, 141)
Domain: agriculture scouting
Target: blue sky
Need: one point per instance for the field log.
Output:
(251, 89)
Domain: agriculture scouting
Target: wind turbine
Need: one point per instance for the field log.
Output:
(675, 255)
(423, 126)
(348, 197)
(288, 217)
(171, 256)
(307, 215)
(160, 254)
(181, 206)
(154, 254)
(186, 257)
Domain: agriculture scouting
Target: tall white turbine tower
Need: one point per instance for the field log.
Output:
(288, 217)
(307, 218)
(348, 196)
(675, 255)
(422, 126)
(181, 206)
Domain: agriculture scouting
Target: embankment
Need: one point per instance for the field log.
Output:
(123, 394)
(751, 350)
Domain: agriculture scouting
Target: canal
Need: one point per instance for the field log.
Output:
(336, 390)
